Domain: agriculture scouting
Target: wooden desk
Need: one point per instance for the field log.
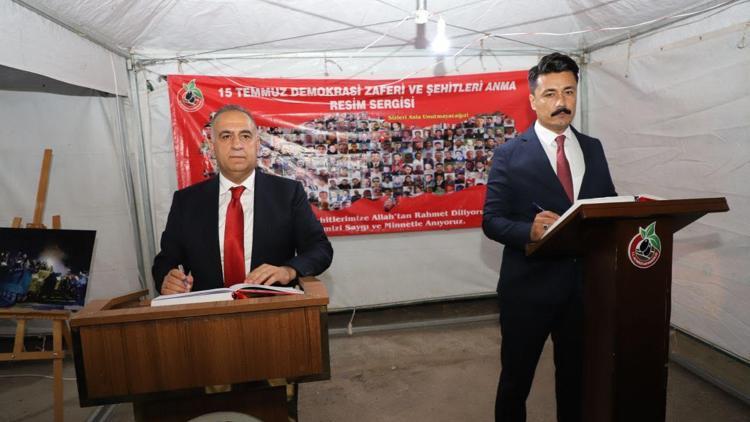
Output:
(127, 351)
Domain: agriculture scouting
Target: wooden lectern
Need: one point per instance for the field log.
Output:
(627, 298)
(162, 358)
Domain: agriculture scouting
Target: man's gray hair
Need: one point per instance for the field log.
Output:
(232, 107)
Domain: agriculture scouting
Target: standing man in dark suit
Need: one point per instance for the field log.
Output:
(240, 226)
(534, 178)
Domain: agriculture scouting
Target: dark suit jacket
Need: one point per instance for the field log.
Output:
(520, 176)
(285, 232)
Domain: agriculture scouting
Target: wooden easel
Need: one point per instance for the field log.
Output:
(41, 198)
(60, 327)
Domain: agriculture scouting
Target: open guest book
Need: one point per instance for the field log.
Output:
(236, 291)
(602, 200)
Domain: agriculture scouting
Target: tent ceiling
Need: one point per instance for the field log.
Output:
(198, 29)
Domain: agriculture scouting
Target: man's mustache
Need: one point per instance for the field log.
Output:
(561, 110)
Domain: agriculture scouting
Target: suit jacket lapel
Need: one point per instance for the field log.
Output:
(583, 142)
(261, 213)
(210, 206)
(541, 162)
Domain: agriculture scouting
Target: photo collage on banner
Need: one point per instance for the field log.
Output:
(364, 170)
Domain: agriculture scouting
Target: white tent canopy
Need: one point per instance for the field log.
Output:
(665, 85)
(33, 43)
(165, 29)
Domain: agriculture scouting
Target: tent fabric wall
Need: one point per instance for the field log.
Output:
(34, 44)
(87, 187)
(673, 111)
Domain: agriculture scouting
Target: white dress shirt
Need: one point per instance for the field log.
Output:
(573, 153)
(248, 208)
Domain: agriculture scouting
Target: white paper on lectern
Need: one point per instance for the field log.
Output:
(601, 200)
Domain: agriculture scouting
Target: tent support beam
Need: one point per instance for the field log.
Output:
(296, 37)
(330, 19)
(143, 63)
(649, 30)
(513, 26)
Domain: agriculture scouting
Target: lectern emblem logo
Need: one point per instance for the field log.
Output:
(190, 97)
(645, 247)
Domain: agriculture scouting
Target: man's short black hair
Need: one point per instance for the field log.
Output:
(232, 107)
(551, 63)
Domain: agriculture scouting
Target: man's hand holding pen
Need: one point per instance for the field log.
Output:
(176, 281)
(542, 221)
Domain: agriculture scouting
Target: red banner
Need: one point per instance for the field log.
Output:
(375, 156)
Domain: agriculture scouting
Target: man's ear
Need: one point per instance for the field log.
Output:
(531, 102)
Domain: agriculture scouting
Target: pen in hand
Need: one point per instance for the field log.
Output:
(184, 280)
(549, 215)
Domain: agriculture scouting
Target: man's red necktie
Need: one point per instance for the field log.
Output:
(234, 244)
(563, 167)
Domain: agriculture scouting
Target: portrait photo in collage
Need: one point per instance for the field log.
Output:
(342, 158)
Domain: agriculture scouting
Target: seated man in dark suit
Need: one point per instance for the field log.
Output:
(240, 226)
(534, 178)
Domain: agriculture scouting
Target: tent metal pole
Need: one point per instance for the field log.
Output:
(130, 190)
(584, 93)
(145, 62)
(122, 147)
(145, 224)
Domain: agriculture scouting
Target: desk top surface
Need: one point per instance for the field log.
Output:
(99, 312)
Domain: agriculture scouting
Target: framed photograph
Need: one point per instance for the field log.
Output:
(45, 269)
